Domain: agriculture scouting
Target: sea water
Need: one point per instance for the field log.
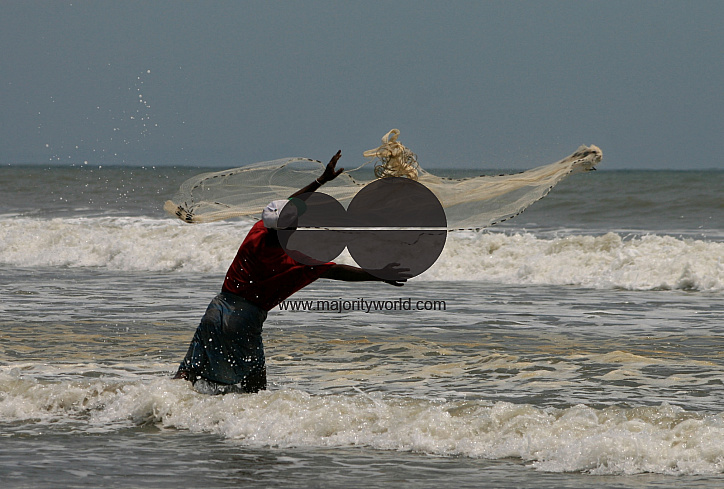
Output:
(577, 345)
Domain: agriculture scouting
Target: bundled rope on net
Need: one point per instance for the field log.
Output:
(393, 158)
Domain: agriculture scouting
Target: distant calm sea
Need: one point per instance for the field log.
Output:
(581, 345)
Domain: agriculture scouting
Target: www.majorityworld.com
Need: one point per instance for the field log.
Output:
(362, 305)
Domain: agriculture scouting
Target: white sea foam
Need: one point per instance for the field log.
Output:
(606, 261)
(662, 439)
(120, 243)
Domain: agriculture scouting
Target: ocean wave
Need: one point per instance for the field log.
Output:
(647, 262)
(120, 243)
(659, 439)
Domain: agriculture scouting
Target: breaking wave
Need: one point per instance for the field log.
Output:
(646, 262)
(659, 439)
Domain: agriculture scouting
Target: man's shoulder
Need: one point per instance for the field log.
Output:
(257, 230)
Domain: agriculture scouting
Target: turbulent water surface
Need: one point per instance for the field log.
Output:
(578, 345)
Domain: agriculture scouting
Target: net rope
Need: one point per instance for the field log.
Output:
(393, 159)
(469, 203)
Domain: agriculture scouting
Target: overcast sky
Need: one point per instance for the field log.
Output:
(469, 84)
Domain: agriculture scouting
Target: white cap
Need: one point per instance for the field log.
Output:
(270, 214)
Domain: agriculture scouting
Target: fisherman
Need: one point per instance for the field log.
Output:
(227, 353)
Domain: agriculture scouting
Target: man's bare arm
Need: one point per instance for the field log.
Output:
(329, 174)
(353, 274)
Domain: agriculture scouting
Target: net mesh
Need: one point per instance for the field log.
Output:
(469, 203)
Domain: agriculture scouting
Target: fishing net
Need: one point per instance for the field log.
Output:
(469, 203)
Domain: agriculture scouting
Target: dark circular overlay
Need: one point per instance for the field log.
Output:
(394, 228)
(308, 238)
(402, 228)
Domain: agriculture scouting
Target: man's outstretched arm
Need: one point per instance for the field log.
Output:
(329, 174)
(353, 274)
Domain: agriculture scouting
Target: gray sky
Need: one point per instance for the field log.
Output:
(469, 84)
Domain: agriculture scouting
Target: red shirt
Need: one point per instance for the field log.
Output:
(264, 274)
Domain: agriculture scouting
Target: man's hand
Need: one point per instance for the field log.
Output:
(394, 269)
(330, 173)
